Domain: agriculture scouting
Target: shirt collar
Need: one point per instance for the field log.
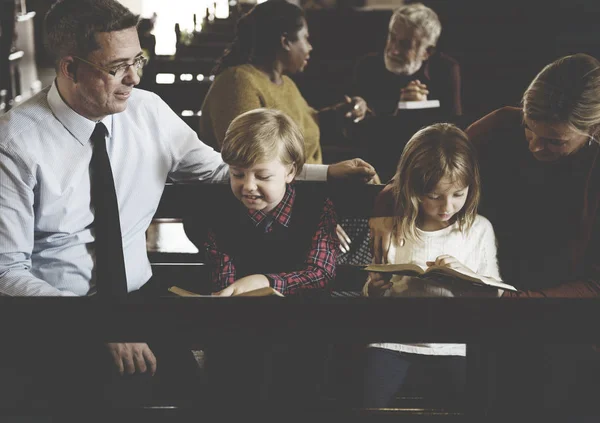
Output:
(80, 127)
(281, 214)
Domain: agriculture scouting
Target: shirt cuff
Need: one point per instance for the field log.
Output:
(313, 172)
(272, 279)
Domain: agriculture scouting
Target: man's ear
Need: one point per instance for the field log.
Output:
(429, 51)
(67, 67)
(291, 174)
(285, 41)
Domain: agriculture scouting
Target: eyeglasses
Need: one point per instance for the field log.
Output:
(118, 71)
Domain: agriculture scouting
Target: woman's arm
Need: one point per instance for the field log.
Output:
(381, 224)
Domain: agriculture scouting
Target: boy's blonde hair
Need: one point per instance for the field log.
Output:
(262, 135)
(433, 153)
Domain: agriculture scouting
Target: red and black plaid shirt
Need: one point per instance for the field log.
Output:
(319, 265)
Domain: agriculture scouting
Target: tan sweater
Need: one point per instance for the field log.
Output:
(239, 89)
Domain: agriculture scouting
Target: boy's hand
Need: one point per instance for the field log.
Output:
(245, 284)
(379, 283)
(356, 169)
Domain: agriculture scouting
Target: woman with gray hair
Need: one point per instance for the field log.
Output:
(410, 69)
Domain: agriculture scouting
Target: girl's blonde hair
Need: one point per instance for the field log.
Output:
(566, 90)
(433, 153)
(261, 135)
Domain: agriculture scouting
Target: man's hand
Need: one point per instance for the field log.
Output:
(381, 229)
(356, 169)
(378, 284)
(245, 284)
(132, 358)
(414, 91)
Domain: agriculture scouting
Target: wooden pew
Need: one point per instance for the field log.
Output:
(483, 323)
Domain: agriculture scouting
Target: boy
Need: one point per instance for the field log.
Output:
(269, 233)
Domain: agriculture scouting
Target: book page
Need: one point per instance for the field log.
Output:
(185, 293)
(405, 268)
(261, 292)
(442, 271)
(437, 273)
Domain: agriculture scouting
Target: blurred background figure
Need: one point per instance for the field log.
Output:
(410, 68)
(148, 43)
(271, 42)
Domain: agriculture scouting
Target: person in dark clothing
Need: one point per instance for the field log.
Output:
(410, 69)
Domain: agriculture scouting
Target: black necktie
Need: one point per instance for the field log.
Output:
(111, 280)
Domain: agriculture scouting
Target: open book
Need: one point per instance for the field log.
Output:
(261, 292)
(437, 273)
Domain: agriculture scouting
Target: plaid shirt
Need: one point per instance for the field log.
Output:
(319, 265)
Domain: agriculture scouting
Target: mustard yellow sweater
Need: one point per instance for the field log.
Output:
(241, 88)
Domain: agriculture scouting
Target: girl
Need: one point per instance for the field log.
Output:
(436, 193)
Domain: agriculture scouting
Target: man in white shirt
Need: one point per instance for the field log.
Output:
(47, 233)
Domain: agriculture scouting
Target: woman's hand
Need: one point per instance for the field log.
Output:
(357, 108)
(379, 283)
(245, 284)
(381, 238)
(414, 91)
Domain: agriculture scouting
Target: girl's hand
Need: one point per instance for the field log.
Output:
(451, 262)
(245, 284)
(379, 283)
(446, 260)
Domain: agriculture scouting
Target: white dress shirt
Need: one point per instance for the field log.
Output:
(46, 220)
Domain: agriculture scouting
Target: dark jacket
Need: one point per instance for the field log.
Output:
(381, 88)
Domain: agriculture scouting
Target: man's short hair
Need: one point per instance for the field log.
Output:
(421, 19)
(71, 25)
(262, 135)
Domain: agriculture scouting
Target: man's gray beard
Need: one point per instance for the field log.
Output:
(407, 69)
